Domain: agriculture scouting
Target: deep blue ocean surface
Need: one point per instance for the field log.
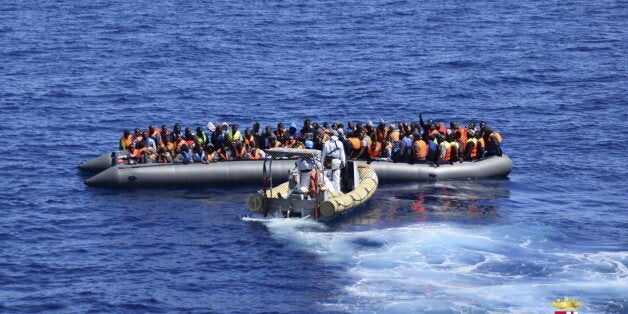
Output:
(550, 76)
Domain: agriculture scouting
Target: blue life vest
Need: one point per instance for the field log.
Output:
(186, 157)
(396, 146)
(408, 142)
(432, 146)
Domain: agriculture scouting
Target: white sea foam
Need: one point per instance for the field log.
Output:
(444, 267)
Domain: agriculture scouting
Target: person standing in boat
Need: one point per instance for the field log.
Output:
(334, 159)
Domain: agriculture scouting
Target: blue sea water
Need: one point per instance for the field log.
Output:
(549, 75)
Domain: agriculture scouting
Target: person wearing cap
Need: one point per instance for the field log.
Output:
(334, 159)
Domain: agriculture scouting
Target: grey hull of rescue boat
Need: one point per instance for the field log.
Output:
(251, 172)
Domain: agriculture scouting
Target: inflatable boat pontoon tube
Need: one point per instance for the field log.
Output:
(251, 172)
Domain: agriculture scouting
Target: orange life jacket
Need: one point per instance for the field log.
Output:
(380, 134)
(432, 132)
(211, 157)
(240, 153)
(137, 153)
(314, 178)
(249, 140)
(481, 143)
(447, 156)
(125, 143)
(420, 148)
(394, 136)
(290, 143)
(374, 152)
(474, 150)
(325, 138)
(355, 142)
(255, 155)
(495, 137)
(442, 129)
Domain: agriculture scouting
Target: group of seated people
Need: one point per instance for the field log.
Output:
(429, 142)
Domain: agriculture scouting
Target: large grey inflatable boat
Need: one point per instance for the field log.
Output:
(251, 172)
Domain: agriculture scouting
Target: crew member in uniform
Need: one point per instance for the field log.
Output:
(334, 159)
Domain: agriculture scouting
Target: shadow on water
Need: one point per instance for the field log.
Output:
(464, 202)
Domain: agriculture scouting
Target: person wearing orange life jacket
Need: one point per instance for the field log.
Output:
(224, 154)
(481, 151)
(456, 148)
(374, 150)
(281, 133)
(210, 154)
(137, 154)
(255, 153)
(240, 151)
(363, 143)
(492, 140)
(381, 131)
(126, 141)
(471, 148)
(273, 142)
(290, 142)
(461, 131)
(248, 138)
(444, 151)
(353, 143)
(419, 148)
(167, 145)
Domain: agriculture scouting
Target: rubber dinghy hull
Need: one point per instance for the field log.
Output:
(172, 175)
(251, 172)
(490, 167)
